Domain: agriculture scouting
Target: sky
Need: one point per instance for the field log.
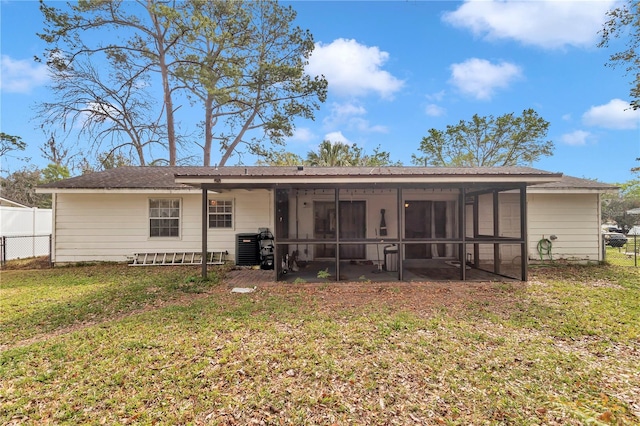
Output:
(399, 68)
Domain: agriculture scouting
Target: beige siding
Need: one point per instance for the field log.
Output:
(573, 218)
(111, 227)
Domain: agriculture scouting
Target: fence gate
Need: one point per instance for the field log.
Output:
(24, 246)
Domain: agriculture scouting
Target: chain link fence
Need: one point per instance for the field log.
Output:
(623, 254)
(24, 247)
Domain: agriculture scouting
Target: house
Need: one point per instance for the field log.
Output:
(398, 223)
(5, 202)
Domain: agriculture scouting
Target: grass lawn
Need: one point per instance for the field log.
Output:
(111, 344)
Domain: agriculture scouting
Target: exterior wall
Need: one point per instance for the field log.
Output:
(112, 226)
(573, 218)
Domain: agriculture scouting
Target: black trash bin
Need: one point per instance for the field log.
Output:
(391, 258)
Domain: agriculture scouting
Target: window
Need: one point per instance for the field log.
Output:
(220, 214)
(164, 217)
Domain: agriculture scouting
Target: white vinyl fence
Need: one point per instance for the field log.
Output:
(25, 232)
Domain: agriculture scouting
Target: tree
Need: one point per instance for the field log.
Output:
(245, 63)
(487, 141)
(330, 154)
(281, 158)
(376, 159)
(631, 188)
(54, 172)
(111, 109)
(615, 210)
(615, 206)
(54, 152)
(338, 154)
(145, 45)
(20, 186)
(625, 20)
(10, 143)
(105, 161)
(241, 60)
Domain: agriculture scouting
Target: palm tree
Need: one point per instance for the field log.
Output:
(331, 154)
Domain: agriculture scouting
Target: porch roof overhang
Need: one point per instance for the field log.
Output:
(365, 177)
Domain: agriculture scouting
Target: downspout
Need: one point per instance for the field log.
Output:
(52, 241)
(601, 250)
(400, 233)
(276, 236)
(476, 229)
(204, 232)
(337, 207)
(462, 231)
(524, 257)
(496, 232)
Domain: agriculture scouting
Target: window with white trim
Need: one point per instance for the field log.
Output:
(220, 214)
(164, 217)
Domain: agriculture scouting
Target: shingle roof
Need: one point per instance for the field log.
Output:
(307, 171)
(123, 178)
(570, 182)
(164, 177)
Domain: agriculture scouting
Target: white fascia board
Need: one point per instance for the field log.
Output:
(532, 190)
(369, 180)
(116, 191)
(12, 203)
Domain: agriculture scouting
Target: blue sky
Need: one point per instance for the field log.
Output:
(399, 68)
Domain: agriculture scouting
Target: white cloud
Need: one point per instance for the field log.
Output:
(302, 134)
(480, 78)
(434, 110)
(617, 114)
(347, 109)
(363, 125)
(578, 137)
(436, 97)
(341, 113)
(548, 24)
(353, 69)
(350, 115)
(336, 137)
(21, 76)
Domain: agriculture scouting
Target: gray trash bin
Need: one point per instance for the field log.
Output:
(391, 258)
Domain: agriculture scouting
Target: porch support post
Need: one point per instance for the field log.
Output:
(462, 226)
(400, 234)
(337, 197)
(496, 232)
(524, 261)
(276, 228)
(205, 211)
(476, 232)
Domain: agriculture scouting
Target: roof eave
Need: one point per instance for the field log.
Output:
(367, 179)
(166, 190)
